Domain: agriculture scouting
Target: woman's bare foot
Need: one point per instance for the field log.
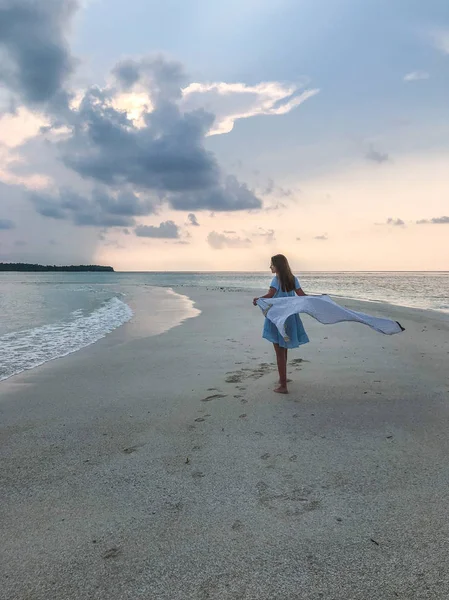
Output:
(282, 389)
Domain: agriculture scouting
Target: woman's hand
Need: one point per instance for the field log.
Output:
(255, 301)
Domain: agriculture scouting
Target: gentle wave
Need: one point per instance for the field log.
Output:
(29, 348)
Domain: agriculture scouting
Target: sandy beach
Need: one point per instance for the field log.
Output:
(165, 467)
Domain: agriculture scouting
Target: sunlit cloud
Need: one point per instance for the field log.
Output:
(232, 101)
(228, 102)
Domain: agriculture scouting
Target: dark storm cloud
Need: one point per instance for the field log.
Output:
(231, 195)
(100, 209)
(193, 220)
(164, 155)
(167, 229)
(35, 58)
(434, 221)
(374, 155)
(6, 224)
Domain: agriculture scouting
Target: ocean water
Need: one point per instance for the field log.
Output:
(427, 290)
(44, 316)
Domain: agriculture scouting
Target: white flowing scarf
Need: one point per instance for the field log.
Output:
(324, 310)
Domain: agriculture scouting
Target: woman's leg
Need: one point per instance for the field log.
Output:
(281, 357)
(286, 362)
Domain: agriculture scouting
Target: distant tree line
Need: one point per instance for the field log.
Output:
(34, 268)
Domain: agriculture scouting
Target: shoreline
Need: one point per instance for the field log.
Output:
(137, 328)
(172, 312)
(165, 467)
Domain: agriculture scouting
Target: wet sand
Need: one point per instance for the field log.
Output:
(165, 467)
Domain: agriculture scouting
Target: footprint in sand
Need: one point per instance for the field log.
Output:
(129, 450)
(234, 378)
(265, 456)
(213, 397)
(243, 416)
(292, 503)
(199, 420)
(111, 553)
(197, 474)
(237, 525)
(296, 361)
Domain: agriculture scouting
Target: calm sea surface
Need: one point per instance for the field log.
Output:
(47, 315)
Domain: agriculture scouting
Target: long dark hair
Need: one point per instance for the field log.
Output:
(284, 273)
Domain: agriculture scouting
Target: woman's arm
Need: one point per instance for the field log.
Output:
(300, 292)
(270, 294)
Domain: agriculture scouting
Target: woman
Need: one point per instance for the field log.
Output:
(284, 283)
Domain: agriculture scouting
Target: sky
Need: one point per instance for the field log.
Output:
(197, 135)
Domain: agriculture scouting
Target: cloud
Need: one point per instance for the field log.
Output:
(17, 127)
(231, 195)
(233, 101)
(416, 76)
(142, 134)
(101, 209)
(441, 40)
(395, 222)
(6, 224)
(322, 238)
(374, 155)
(36, 60)
(167, 229)
(435, 221)
(12, 169)
(192, 220)
(218, 241)
(165, 155)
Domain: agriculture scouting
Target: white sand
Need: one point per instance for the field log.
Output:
(118, 481)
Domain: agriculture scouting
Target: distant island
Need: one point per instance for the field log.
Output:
(36, 268)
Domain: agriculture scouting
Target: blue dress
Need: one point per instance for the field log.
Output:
(294, 327)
